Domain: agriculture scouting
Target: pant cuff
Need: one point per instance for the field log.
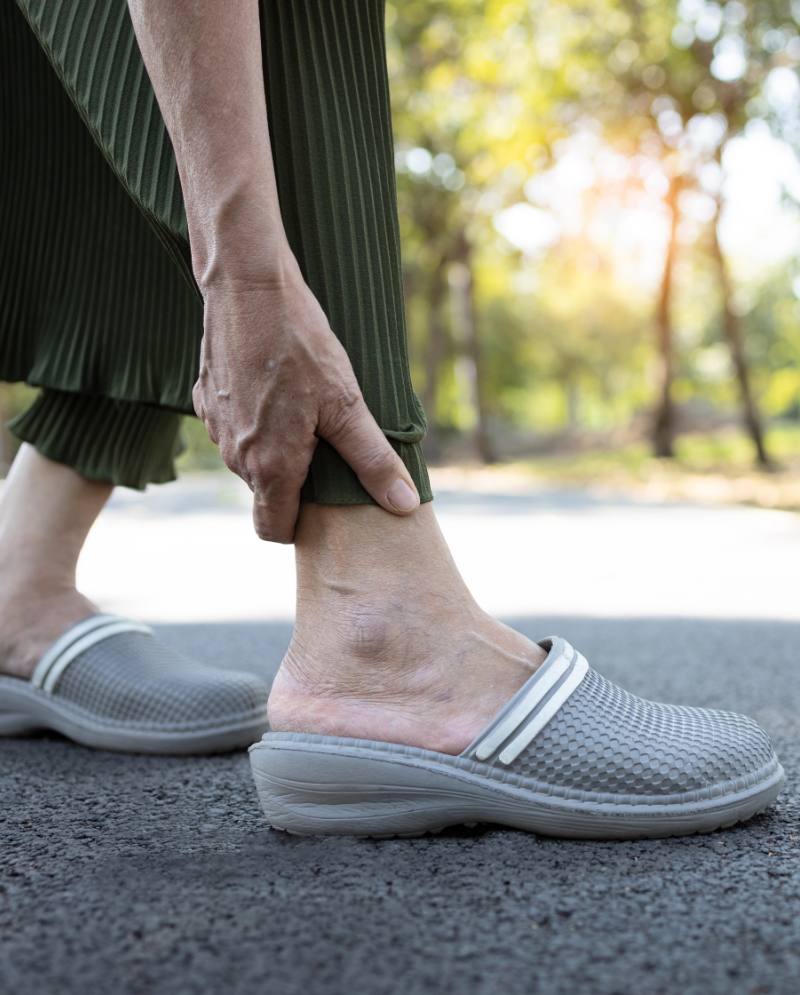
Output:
(124, 442)
(331, 481)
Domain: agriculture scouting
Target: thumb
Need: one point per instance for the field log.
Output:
(360, 442)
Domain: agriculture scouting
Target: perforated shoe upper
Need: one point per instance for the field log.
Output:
(604, 739)
(569, 732)
(134, 680)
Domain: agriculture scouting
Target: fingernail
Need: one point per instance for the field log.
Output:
(401, 497)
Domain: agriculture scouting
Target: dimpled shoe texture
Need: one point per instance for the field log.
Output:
(606, 741)
(132, 679)
(108, 683)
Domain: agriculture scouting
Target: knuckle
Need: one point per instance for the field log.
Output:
(266, 472)
(198, 390)
(283, 468)
(347, 408)
(229, 455)
(350, 396)
(380, 462)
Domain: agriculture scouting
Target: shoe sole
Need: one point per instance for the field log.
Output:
(318, 787)
(25, 709)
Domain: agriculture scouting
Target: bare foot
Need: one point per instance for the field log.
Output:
(389, 644)
(46, 512)
(32, 619)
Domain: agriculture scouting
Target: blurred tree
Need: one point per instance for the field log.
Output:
(487, 95)
(490, 99)
(664, 421)
(689, 77)
(734, 336)
(472, 105)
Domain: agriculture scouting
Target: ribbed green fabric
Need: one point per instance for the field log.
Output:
(128, 444)
(330, 123)
(327, 93)
(89, 300)
(93, 49)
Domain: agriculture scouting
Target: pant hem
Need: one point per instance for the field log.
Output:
(126, 443)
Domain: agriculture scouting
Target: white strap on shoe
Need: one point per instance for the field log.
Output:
(564, 673)
(77, 640)
(540, 720)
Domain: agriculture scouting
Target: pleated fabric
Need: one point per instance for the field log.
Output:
(102, 438)
(92, 307)
(101, 300)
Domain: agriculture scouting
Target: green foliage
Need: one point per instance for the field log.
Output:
(727, 453)
(199, 451)
(14, 399)
(488, 96)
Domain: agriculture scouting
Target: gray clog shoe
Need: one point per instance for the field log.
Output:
(570, 755)
(108, 683)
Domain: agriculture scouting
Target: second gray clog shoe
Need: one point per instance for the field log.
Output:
(108, 683)
(571, 755)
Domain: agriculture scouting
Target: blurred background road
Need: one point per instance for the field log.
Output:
(186, 552)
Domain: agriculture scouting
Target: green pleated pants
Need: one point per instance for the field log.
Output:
(98, 306)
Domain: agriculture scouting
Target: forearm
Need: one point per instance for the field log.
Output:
(204, 60)
(273, 377)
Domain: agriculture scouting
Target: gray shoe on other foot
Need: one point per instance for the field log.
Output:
(108, 683)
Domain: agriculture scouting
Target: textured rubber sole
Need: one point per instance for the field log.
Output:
(25, 709)
(321, 788)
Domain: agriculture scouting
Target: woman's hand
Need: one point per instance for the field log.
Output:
(273, 380)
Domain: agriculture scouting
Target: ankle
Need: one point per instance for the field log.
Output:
(401, 678)
(375, 687)
(372, 588)
(34, 569)
(46, 512)
(31, 619)
(388, 642)
(367, 646)
(31, 573)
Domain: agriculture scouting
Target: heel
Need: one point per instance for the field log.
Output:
(314, 791)
(15, 724)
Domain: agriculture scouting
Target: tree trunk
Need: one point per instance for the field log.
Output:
(664, 421)
(734, 337)
(465, 335)
(433, 357)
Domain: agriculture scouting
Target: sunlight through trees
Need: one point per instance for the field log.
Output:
(599, 214)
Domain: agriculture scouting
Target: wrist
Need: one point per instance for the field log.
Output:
(237, 263)
(238, 240)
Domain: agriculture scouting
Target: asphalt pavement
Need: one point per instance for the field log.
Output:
(124, 874)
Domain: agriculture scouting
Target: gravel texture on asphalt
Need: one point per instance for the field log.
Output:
(126, 874)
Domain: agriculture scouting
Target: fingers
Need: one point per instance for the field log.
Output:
(276, 483)
(275, 512)
(203, 414)
(355, 434)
